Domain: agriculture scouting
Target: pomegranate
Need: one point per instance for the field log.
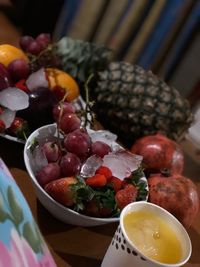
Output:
(175, 193)
(159, 152)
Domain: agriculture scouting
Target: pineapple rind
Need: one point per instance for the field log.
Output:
(132, 103)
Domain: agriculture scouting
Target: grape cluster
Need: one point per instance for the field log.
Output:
(25, 69)
(20, 67)
(65, 157)
(37, 45)
(40, 51)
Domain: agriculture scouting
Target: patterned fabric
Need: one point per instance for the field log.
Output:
(21, 243)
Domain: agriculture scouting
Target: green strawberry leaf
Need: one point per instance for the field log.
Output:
(141, 185)
(82, 193)
(105, 198)
(15, 207)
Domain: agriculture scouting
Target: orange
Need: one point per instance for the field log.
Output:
(58, 78)
(8, 53)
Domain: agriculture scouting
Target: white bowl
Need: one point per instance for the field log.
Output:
(61, 212)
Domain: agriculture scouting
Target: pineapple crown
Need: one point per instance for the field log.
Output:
(81, 59)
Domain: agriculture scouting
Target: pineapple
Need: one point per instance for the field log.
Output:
(132, 102)
(80, 59)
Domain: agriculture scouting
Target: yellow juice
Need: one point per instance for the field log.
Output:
(153, 236)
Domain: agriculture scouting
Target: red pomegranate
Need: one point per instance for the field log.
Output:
(159, 152)
(175, 193)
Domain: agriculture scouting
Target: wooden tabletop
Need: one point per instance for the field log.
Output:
(81, 246)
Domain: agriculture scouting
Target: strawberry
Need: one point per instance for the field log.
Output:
(21, 84)
(93, 208)
(116, 182)
(60, 190)
(105, 171)
(19, 128)
(2, 126)
(126, 195)
(98, 180)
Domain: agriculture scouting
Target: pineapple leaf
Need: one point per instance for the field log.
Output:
(80, 59)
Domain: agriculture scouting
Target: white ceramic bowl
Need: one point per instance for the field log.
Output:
(61, 212)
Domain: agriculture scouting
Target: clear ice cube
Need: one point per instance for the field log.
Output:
(103, 136)
(122, 163)
(37, 159)
(131, 160)
(89, 168)
(14, 98)
(47, 134)
(7, 117)
(118, 167)
(37, 79)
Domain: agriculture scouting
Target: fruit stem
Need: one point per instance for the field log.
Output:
(58, 137)
(89, 104)
(34, 59)
(24, 135)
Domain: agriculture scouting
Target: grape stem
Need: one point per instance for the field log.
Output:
(58, 136)
(34, 59)
(88, 106)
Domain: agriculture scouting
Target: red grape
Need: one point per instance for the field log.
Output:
(51, 151)
(39, 111)
(18, 69)
(43, 39)
(34, 48)
(69, 122)
(48, 173)
(25, 41)
(5, 79)
(2, 126)
(63, 108)
(70, 164)
(101, 149)
(78, 142)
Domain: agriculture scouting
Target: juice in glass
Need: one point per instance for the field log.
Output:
(153, 236)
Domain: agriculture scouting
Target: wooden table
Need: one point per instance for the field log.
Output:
(78, 246)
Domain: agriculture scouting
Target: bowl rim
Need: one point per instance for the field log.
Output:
(35, 182)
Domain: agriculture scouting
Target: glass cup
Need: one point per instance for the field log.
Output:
(123, 253)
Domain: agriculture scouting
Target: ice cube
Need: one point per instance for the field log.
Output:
(133, 161)
(118, 167)
(14, 98)
(91, 165)
(8, 117)
(47, 134)
(37, 79)
(122, 163)
(103, 136)
(37, 159)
